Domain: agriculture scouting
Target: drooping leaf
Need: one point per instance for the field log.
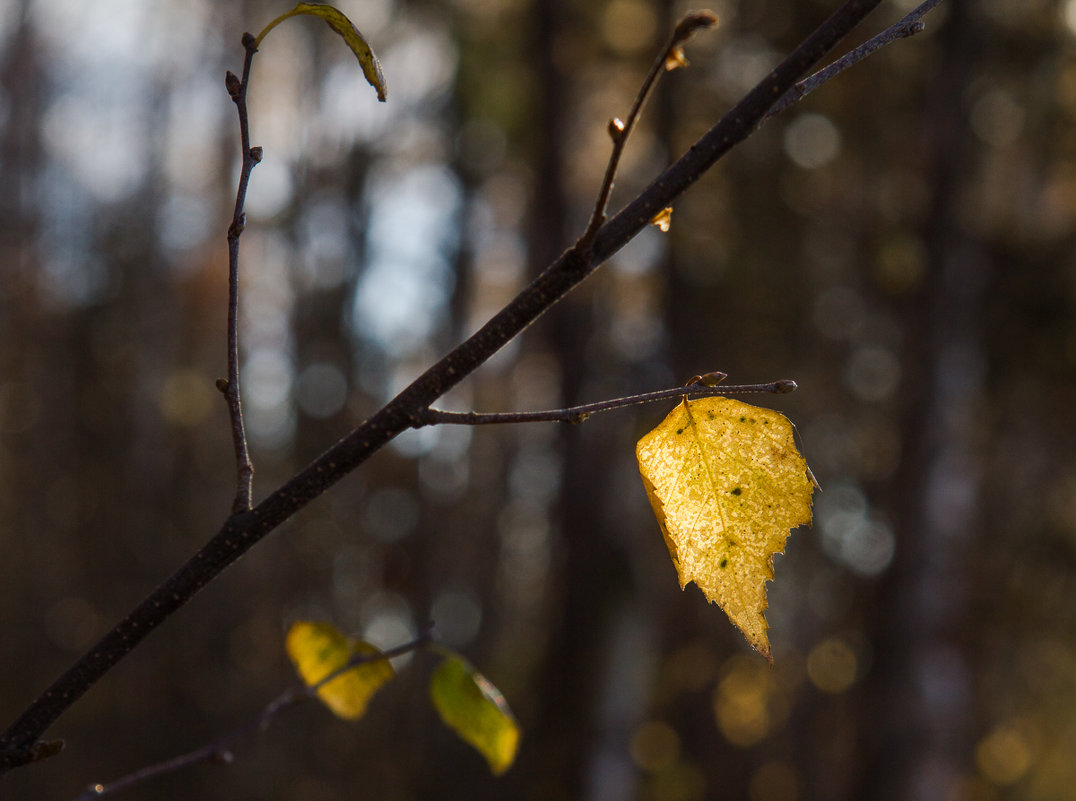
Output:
(726, 483)
(318, 649)
(476, 711)
(338, 21)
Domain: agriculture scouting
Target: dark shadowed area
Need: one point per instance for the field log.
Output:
(902, 244)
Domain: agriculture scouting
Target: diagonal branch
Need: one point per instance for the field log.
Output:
(18, 744)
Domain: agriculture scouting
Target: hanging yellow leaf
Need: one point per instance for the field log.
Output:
(726, 483)
(339, 22)
(318, 649)
(476, 711)
(663, 219)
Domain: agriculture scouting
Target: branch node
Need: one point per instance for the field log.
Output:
(675, 59)
(711, 379)
(248, 41)
(223, 385)
(420, 418)
(784, 386)
(237, 227)
(256, 154)
(43, 749)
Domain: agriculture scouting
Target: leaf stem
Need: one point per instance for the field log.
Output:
(421, 641)
(577, 414)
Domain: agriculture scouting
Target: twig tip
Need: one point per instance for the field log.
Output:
(694, 21)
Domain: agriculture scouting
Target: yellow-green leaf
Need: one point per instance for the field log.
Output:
(476, 711)
(339, 22)
(726, 483)
(319, 649)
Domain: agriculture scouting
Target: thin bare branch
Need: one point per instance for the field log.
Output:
(577, 414)
(620, 130)
(229, 387)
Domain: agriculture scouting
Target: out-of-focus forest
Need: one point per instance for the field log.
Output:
(900, 243)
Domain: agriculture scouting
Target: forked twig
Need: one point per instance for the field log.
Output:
(911, 24)
(620, 130)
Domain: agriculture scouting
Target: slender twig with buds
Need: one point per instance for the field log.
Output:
(21, 742)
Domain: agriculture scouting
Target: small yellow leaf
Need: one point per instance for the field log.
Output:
(726, 483)
(476, 711)
(318, 649)
(676, 59)
(338, 21)
(663, 219)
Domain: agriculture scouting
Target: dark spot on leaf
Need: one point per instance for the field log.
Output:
(743, 419)
(679, 431)
(710, 414)
(723, 563)
(737, 491)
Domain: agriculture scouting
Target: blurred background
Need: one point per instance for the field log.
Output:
(899, 243)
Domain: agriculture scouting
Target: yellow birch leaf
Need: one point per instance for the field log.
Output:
(727, 484)
(338, 21)
(318, 650)
(475, 709)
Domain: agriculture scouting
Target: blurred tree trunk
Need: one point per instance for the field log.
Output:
(922, 683)
(565, 684)
(585, 573)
